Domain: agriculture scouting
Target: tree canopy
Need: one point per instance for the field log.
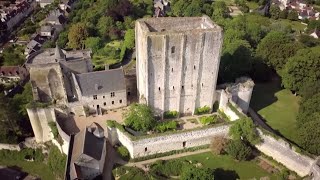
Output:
(77, 34)
(302, 68)
(244, 129)
(140, 117)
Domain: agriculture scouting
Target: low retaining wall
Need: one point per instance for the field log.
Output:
(166, 143)
(283, 153)
(10, 147)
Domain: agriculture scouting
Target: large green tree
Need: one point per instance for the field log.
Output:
(140, 117)
(238, 150)
(276, 48)
(77, 35)
(193, 173)
(302, 68)
(94, 43)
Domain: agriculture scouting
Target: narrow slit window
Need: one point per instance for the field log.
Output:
(120, 101)
(159, 88)
(173, 49)
(182, 87)
(171, 69)
(173, 87)
(194, 67)
(112, 102)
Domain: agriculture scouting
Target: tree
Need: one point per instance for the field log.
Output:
(140, 117)
(302, 68)
(307, 108)
(238, 150)
(62, 39)
(276, 48)
(128, 43)
(293, 15)
(309, 134)
(308, 40)
(218, 145)
(275, 11)
(220, 10)
(178, 7)
(283, 14)
(244, 129)
(49, 44)
(104, 25)
(193, 173)
(77, 35)
(193, 9)
(94, 43)
(235, 61)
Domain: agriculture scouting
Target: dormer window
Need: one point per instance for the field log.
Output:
(95, 97)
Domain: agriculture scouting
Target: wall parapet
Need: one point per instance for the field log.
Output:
(167, 142)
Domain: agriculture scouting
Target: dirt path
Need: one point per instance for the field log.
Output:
(142, 164)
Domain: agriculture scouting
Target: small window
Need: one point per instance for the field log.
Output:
(128, 93)
(95, 97)
(182, 87)
(112, 94)
(92, 105)
(184, 144)
(104, 103)
(103, 97)
(120, 101)
(145, 149)
(173, 87)
(202, 84)
(194, 67)
(159, 88)
(112, 102)
(173, 49)
(171, 69)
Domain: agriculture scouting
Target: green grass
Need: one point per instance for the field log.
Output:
(295, 25)
(224, 167)
(227, 165)
(277, 106)
(252, 5)
(37, 169)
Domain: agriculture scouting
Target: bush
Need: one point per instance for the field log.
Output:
(218, 145)
(166, 126)
(167, 168)
(202, 110)
(206, 120)
(54, 129)
(123, 152)
(244, 129)
(171, 114)
(140, 118)
(238, 150)
(193, 173)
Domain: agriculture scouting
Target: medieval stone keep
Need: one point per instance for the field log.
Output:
(177, 62)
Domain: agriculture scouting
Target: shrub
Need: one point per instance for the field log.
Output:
(202, 110)
(140, 118)
(123, 152)
(54, 129)
(166, 126)
(167, 168)
(245, 129)
(238, 150)
(171, 114)
(206, 120)
(223, 115)
(218, 145)
(111, 123)
(193, 173)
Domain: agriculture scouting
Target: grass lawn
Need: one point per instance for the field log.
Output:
(252, 5)
(277, 106)
(295, 25)
(224, 166)
(37, 169)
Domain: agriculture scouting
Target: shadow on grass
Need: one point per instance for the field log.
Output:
(220, 173)
(263, 95)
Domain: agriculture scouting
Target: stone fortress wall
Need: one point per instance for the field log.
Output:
(166, 143)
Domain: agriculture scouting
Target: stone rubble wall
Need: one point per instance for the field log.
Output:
(167, 143)
(283, 153)
(10, 147)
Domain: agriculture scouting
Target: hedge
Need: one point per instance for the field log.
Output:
(206, 120)
(171, 114)
(202, 110)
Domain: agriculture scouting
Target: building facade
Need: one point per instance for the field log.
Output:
(177, 62)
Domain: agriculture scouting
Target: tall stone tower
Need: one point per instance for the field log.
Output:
(177, 62)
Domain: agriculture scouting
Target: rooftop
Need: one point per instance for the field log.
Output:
(100, 82)
(173, 24)
(48, 56)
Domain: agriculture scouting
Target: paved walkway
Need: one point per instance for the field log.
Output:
(142, 164)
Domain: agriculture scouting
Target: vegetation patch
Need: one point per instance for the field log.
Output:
(166, 126)
(193, 120)
(206, 120)
(123, 152)
(202, 110)
(171, 114)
